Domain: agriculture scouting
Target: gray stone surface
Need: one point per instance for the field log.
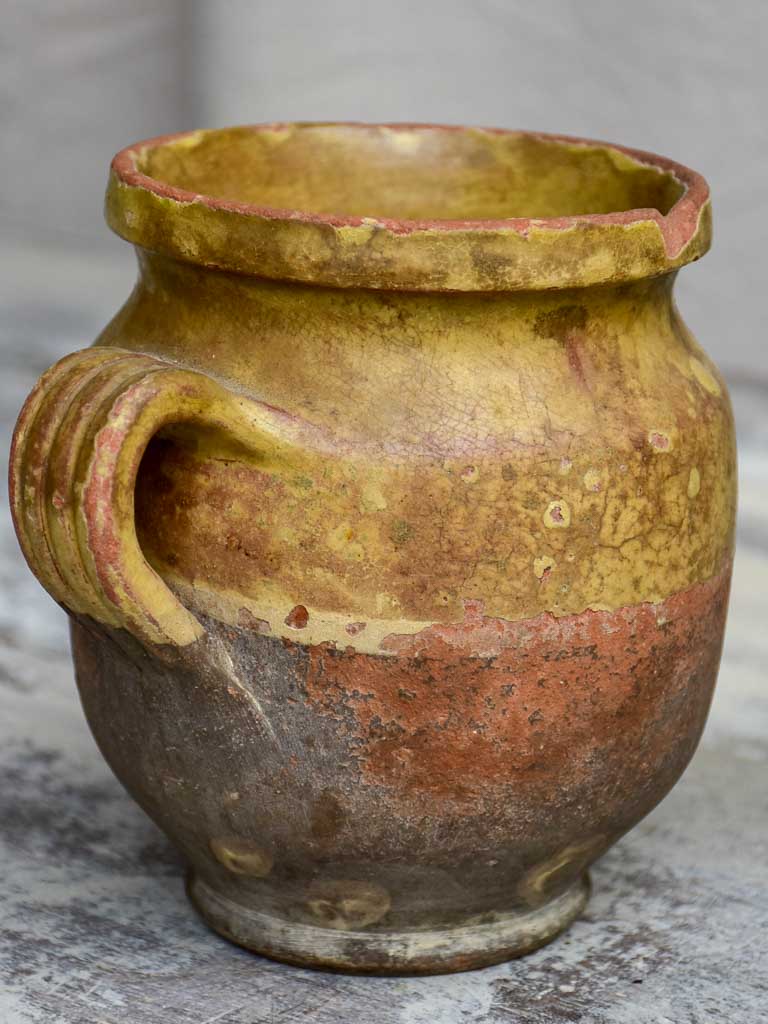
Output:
(94, 924)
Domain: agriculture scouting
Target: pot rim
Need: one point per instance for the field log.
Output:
(431, 254)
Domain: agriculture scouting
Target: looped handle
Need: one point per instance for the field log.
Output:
(76, 452)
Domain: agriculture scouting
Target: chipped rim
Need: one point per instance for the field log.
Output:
(428, 254)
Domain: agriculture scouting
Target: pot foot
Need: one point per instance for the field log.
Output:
(424, 951)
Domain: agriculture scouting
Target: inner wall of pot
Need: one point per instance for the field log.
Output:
(410, 173)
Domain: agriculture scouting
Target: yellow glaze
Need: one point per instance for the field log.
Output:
(420, 417)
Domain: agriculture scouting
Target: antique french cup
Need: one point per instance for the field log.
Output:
(394, 516)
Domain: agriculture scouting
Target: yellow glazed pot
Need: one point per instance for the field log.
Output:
(394, 514)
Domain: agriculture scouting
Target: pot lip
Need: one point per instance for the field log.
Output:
(682, 234)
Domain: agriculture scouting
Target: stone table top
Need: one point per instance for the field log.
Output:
(94, 924)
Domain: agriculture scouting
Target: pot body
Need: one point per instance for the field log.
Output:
(462, 570)
(397, 550)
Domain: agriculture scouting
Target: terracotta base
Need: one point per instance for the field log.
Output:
(442, 951)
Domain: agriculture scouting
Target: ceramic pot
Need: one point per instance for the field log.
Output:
(394, 514)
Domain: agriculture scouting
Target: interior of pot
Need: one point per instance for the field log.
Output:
(410, 172)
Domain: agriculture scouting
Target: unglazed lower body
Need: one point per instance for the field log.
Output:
(476, 943)
(319, 833)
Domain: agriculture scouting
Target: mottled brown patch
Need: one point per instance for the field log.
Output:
(566, 324)
(559, 323)
(327, 816)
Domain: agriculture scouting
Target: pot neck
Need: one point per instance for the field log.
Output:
(410, 372)
(243, 301)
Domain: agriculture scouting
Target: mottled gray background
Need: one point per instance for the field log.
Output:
(94, 925)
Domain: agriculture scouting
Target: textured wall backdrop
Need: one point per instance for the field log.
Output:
(687, 79)
(79, 79)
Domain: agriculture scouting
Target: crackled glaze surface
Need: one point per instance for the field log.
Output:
(417, 603)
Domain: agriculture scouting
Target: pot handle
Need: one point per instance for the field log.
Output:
(76, 452)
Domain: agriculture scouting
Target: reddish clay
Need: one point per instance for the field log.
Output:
(298, 617)
(465, 706)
